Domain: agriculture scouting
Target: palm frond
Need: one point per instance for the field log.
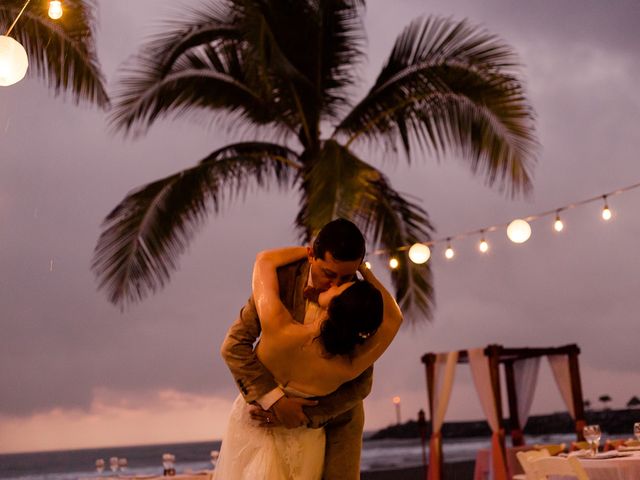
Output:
(62, 52)
(449, 87)
(339, 184)
(394, 222)
(145, 234)
(200, 63)
(341, 48)
(305, 52)
(334, 183)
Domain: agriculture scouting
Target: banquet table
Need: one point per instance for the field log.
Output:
(623, 467)
(626, 467)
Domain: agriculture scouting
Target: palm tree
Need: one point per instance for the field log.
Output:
(633, 402)
(284, 70)
(63, 51)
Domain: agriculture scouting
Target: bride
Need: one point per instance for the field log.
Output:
(353, 326)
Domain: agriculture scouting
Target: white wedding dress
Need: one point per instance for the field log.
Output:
(250, 452)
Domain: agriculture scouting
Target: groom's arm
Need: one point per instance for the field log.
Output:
(348, 396)
(252, 378)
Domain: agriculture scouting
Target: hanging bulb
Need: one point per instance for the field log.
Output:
(419, 253)
(558, 225)
(13, 61)
(519, 231)
(55, 9)
(449, 253)
(367, 264)
(393, 263)
(606, 213)
(483, 246)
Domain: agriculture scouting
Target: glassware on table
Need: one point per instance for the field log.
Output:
(100, 465)
(636, 430)
(123, 464)
(214, 457)
(113, 464)
(592, 434)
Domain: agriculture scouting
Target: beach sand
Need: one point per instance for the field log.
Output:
(452, 471)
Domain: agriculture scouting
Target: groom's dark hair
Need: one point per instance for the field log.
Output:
(342, 238)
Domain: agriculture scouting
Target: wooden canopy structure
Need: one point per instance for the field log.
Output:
(498, 355)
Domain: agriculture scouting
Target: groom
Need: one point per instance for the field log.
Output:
(337, 252)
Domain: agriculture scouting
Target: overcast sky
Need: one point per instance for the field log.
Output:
(75, 372)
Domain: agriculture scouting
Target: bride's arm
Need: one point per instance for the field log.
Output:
(376, 345)
(266, 292)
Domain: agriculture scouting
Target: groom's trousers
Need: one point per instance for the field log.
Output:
(344, 444)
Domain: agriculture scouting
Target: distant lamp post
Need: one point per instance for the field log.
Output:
(396, 402)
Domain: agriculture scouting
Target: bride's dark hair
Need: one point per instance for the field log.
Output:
(354, 316)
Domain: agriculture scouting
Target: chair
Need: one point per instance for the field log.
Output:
(525, 458)
(553, 448)
(552, 466)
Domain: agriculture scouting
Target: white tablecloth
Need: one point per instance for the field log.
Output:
(619, 468)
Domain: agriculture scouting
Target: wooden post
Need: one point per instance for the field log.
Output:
(517, 438)
(493, 352)
(429, 362)
(576, 391)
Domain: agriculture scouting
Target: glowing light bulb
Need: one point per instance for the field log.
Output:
(419, 253)
(449, 253)
(558, 225)
(55, 9)
(606, 213)
(367, 264)
(13, 61)
(396, 400)
(483, 246)
(519, 231)
(393, 263)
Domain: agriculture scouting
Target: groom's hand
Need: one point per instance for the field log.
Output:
(288, 411)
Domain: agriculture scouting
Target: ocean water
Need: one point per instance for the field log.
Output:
(147, 459)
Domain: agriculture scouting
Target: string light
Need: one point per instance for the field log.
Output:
(449, 253)
(483, 246)
(419, 253)
(367, 264)
(55, 9)
(14, 61)
(519, 231)
(558, 225)
(606, 213)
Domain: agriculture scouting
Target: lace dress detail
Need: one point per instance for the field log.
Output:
(250, 452)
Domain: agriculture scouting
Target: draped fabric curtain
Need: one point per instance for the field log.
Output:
(560, 368)
(443, 373)
(525, 373)
(481, 374)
